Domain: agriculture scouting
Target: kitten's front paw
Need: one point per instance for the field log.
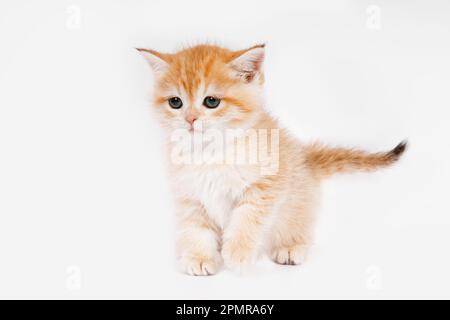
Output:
(196, 265)
(238, 257)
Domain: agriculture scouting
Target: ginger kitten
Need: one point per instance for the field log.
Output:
(231, 210)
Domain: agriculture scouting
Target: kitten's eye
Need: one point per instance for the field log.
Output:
(175, 103)
(211, 102)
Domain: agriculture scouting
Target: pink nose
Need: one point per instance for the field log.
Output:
(191, 119)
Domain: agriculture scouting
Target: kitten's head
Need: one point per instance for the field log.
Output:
(207, 87)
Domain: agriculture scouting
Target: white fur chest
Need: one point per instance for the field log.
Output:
(217, 187)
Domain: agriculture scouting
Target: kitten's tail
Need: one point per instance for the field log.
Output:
(325, 161)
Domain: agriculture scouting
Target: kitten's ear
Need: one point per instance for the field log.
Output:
(248, 63)
(158, 61)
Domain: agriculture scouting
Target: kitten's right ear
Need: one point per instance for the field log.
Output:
(158, 61)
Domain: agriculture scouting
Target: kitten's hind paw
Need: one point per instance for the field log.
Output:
(290, 255)
(199, 265)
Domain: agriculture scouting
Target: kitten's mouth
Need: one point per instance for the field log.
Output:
(196, 127)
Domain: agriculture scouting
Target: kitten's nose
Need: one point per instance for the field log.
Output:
(191, 119)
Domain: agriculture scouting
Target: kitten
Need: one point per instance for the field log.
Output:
(232, 211)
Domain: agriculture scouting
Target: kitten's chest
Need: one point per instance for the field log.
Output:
(216, 187)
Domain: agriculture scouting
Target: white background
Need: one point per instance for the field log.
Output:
(85, 209)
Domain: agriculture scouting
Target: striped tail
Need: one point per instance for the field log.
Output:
(325, 161)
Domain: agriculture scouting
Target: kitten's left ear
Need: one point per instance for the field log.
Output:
(158, 61)
(248, 63)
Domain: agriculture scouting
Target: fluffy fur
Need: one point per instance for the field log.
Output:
(229, 212)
